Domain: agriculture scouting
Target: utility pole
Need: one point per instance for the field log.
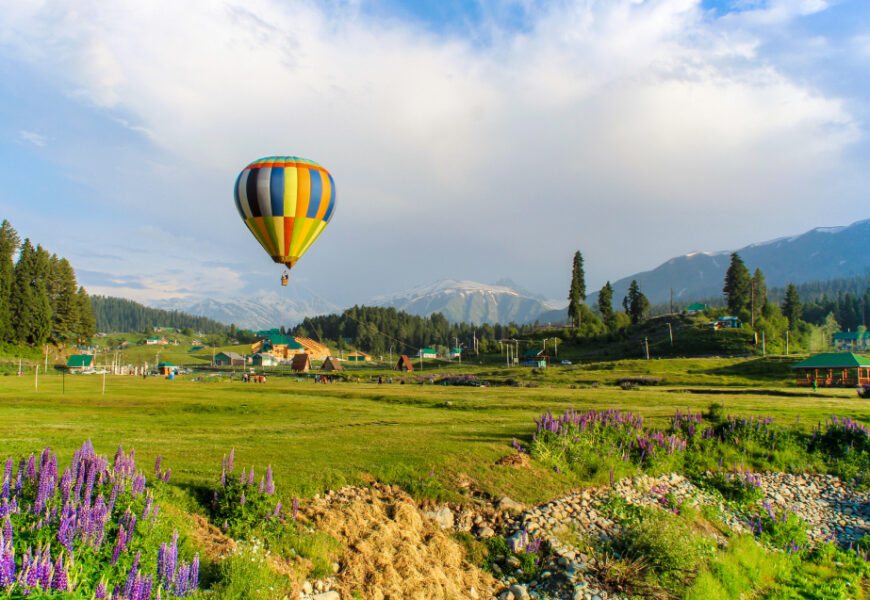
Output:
(556, 341)
(763, 343)
(104, 379)
(752, 302)
(421, 359)
(786, 342)
(45, 369)
(671, 333)
(36, 379)
(646, 346)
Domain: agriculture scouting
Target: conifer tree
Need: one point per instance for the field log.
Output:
(40, 327)
(87, 324)
(605, 305)
(66, 306)
(638, 303)
(577, 294)
(737, 285)
(21, 296)
(9, 242)
(791, 306)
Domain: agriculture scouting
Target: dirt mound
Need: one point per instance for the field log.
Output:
(519, 460)
(392, 551)
(214, 543)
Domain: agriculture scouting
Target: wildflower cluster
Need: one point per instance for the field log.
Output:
(81, 530)
(737, 485)
(783, 529)
(240, 505)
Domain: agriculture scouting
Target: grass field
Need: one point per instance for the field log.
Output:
(321, 436)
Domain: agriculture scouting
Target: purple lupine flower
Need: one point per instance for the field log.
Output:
(132, 576)
(251, 477)
(145, 590)
(157, 465)
(31, 468)
(7, 530)
(243, 478)
(161, 562)
(101, 593)
(194, 572)
(270, 483)
(262, 487)
(45, 569)
(214, 501)
(230, 461)
(295, 508)
(182, 580)
(277, 510)
(60, 581)
(242, 499)
(119, 545)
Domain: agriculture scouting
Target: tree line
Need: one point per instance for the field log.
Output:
(122, 315)
(40, 299)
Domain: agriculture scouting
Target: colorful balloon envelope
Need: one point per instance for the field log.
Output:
(286, 202)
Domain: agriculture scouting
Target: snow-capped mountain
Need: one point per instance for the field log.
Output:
(468, 301)
(260, 312)
(819, 254)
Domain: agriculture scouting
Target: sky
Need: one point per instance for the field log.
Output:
(474, 140)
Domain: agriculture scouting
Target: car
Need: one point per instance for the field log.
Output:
(566, 362)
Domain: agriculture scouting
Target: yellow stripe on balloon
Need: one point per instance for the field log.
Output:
(276, 225)
(312, 237)
(290, 191)
(301, 227)
(304, 194)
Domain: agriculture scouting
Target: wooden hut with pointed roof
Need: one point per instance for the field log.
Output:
(330, 364)
(404, 364)
(834, 369)
(301, 363)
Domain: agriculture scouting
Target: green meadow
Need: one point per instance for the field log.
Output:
(431, 439)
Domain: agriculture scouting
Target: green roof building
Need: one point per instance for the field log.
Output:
(78, 363)
(696, 307)
(852, 341)
(833, 369)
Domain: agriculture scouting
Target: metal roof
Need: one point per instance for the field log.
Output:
(852, 335)
(833, 360)
(80, 360)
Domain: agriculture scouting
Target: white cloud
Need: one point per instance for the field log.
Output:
(600, 111)
(32, 137)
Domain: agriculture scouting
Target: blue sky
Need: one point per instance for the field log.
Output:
(471, 140)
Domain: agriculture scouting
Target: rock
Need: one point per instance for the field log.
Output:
(444, 517)
(520, 592)
(472, 593)
(330, 595)
(307, 588)
(485, 532)
(336, 567)
(506, 595)
(517, 541)
(513, 562)
(509, 505)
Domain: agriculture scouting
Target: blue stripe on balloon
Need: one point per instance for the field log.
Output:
(331, 208)
(251, 192)
(316, 196)
(276, 191)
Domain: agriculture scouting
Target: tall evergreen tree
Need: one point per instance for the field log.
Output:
(578, 290)
(9, 242)
(87, 325)
(638, 303)
(40, 327)
(605, 305)
(791, 306)
(21, 299)
(737, 285)
(66, 306)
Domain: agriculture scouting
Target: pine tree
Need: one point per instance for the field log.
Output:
(40, 327)
(605, 305)
(578, 290)
(66, 306)
(737, 285)
(791, 306)
(87, 325)
(638, 304)
(21, 297)
(9, 242)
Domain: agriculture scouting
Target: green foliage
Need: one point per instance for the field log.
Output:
(791, 306)
(605, 306)
(247, 574)
(122, 315)
(636, 304)
(240, 508)
(737, 285)
(577, 292)
(734, 487)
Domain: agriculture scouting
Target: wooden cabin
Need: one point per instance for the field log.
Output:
(301, 363)
(404, 364)
(833, 369)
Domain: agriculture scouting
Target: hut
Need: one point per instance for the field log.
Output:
(834, 369)
(427, 353)
(79, 363)
(695, 308)
(404, 364)
(166, 368)
(261, 359)
(229, 359)
(301, 363)
(358, 357)
(330, 364)
(535, 358)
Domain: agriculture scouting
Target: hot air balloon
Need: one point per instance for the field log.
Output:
(286, 202)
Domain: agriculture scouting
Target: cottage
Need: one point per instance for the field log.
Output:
(535, 358)
(427, 353)
(834, 369)
(726, 323)
(404, 364)
(330, 364)
(229, 359)
(301, 363)
(152, 341)
(166, 368)
(262, 359)
(455, 353)
(80, 363)
(358, 357)
(851, 341)
(695, 308)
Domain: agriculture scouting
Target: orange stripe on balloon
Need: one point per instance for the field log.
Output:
(288, 234)
(264, 236)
